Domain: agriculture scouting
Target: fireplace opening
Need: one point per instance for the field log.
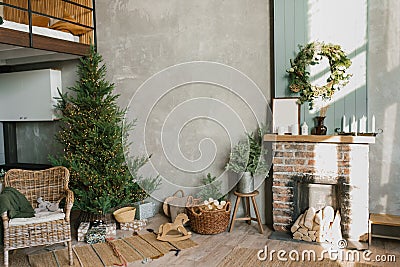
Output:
(317, 216)
(316, 195)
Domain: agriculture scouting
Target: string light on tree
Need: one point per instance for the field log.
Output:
(91, 133)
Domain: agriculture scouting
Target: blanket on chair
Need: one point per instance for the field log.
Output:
(16, 204)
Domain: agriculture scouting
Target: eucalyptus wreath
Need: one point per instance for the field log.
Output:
(312, 54)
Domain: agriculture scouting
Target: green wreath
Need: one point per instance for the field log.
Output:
(311, 54)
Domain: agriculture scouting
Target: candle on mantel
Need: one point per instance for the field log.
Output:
(353, 125)
(345, 126)
(363, 124)
(373, 124)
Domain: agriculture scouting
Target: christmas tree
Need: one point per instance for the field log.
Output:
(92, 130)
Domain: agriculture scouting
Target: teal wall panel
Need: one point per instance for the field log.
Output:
(298, 22)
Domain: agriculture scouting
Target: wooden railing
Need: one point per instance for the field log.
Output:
(76, 13)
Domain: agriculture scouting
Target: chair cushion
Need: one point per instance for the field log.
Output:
(40, 217)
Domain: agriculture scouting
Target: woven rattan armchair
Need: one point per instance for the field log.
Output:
(51, 185)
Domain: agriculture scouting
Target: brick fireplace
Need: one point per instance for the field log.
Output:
(323, 170)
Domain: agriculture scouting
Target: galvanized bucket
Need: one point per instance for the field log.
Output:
(246, 183)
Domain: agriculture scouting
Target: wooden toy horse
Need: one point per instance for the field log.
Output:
(174, 231)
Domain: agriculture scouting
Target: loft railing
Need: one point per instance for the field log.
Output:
(22, 11)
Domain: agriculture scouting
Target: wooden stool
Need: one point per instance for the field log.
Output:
(247, 217)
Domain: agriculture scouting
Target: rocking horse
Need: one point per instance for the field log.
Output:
(174, 231)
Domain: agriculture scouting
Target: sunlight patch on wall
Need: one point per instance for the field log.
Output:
(357, 81)
(344, 23)
(325, 26)
(393, 39)
(337, 22)
(358, 69)
(389, 129)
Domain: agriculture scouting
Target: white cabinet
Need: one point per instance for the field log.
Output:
(29, 95)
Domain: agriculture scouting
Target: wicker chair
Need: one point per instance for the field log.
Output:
(51, 185)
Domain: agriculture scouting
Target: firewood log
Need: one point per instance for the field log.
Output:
(318, 217)
(301, 222)
(302, 230)
(308, 221)
(296, 225)
(316, 227)
(297, 234)
(313, 238)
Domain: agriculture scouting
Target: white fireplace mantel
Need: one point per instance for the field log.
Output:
(341, 160)
(344, 139)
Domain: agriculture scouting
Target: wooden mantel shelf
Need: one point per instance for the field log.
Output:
(344, 139)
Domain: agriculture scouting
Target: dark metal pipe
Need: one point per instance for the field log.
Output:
(30, 23)
(94, 24)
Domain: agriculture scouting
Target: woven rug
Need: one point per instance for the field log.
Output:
(246, 257)
(134, 248)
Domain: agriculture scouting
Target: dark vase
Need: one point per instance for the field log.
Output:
(320, 129)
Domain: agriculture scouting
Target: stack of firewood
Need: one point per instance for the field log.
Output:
(318, 226)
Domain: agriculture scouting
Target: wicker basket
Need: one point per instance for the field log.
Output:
(124, 215)
(209, 222)
(175, 204)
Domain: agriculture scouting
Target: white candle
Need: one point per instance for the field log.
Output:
(363, 124)
(354, 124)
(373, 124)
(345, 125)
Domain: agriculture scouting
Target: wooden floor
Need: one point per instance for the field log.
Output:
(212, 249)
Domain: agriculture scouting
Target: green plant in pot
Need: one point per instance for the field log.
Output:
(247, 159)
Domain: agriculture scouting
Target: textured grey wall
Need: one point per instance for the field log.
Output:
(384, 101)
(140, 38)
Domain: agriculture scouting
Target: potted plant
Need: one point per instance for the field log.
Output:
(247, 159)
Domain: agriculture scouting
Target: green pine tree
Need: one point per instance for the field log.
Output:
(91, 132)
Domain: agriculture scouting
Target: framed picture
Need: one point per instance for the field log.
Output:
(285, 115)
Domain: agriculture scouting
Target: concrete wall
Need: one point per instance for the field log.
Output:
(384, 102)
(140, 38)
